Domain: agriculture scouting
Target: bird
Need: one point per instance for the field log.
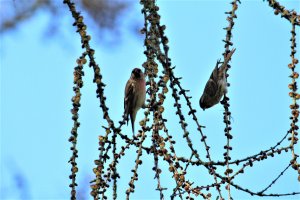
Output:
(135, 95)
(216, 86)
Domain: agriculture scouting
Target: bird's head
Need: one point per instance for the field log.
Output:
(202, 104)
(137, 73)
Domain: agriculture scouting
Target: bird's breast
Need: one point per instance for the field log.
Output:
(141, 92)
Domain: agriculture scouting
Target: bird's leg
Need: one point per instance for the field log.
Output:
(148, 91)
(218, 62)
(144, 106)
(223, 100)
(125, 118)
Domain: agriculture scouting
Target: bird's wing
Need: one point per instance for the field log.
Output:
(214, 74)
(211, 88)
(129, 97)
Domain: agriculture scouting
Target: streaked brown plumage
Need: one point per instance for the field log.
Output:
(135, 95)
(216, 86)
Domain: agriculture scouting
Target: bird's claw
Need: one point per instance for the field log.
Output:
(148, 91)
(218, 62)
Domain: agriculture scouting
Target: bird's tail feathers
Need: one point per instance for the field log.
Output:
(228, 57)
(132, 119)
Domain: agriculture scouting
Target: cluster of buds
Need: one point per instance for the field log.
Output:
(78, 83)
(227, 114)
(157, 50)
(156, 106)
(138, 162)
(287, 14)
(81, 27)
(152, 42)
(166, 62)
(295, 96)
(85, 38)
(98, 183)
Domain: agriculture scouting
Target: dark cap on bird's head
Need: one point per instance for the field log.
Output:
(137, 72)
(202, 104)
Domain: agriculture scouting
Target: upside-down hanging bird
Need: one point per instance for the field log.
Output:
(135, 95)
(216, 86)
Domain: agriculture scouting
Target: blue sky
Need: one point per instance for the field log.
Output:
(36, 90)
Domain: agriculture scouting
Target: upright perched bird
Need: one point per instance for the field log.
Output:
(216, 86)
(135, 95)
